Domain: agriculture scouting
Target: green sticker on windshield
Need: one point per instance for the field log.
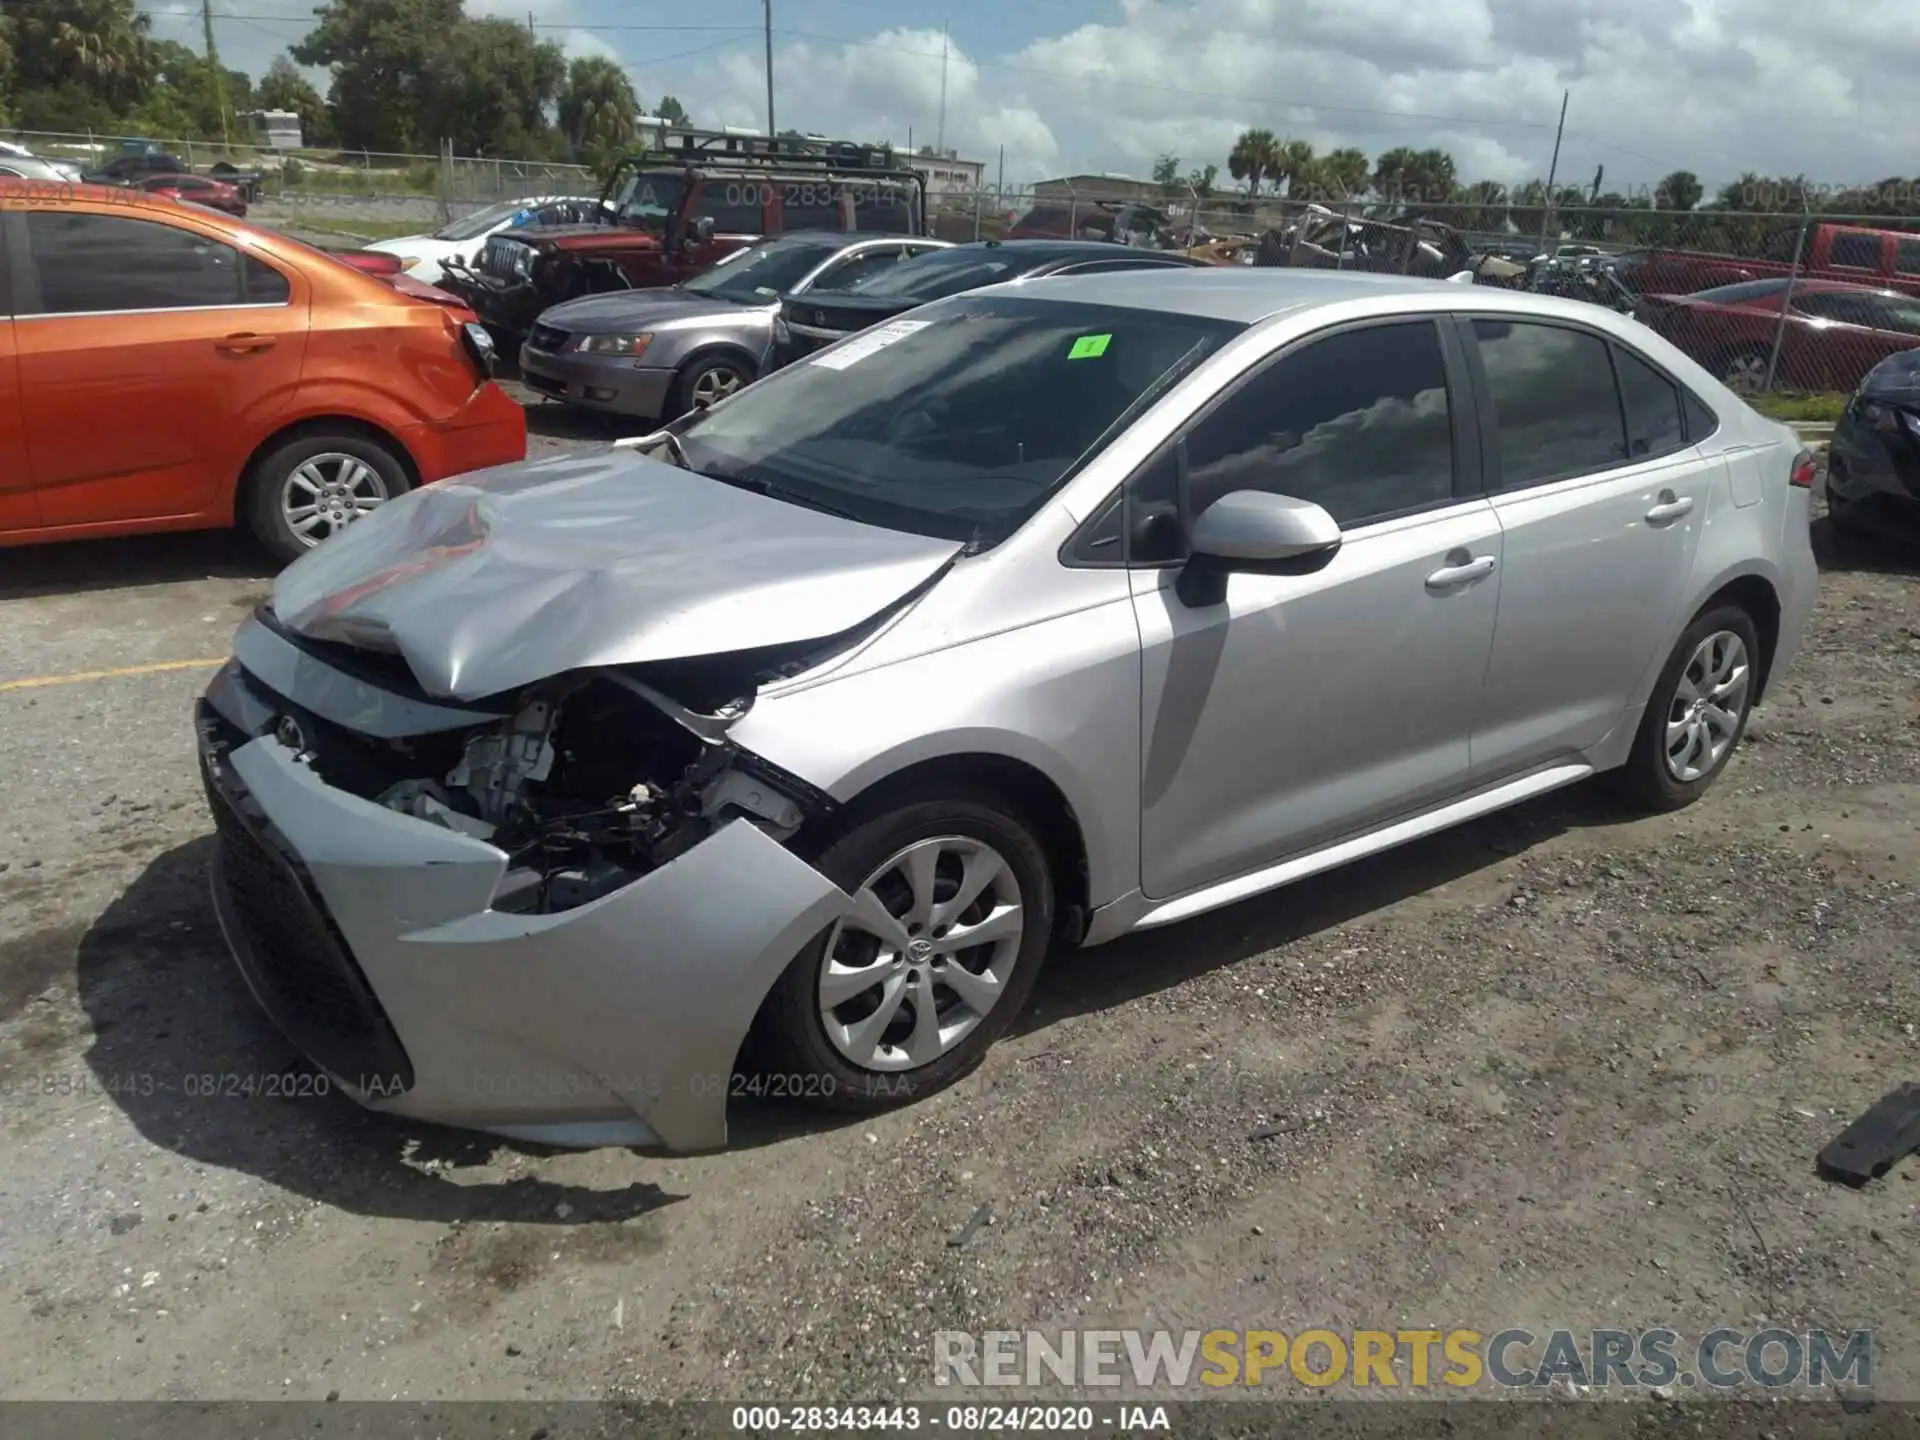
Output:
(1088, 347)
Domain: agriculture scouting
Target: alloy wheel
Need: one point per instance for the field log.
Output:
(712, 386)
(927, 956)
(1708, 702)
(327, 493)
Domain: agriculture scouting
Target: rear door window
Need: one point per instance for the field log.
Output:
(86, 264)
(1555, 403)
(736, 207)
(1654, 422)
(1906, 257)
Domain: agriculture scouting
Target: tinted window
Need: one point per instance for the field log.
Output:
(1654, 426)
(1906, 257)
(1357, 423)
(855, 268)
(958, 421)
(940, 274)
(1857, 251)
(1701, 422)
(1554, 400)
(758, 274)
(1842, 307)
(734, 206)
(98, 262)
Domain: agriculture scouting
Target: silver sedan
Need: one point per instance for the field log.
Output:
(1039, 615)
(659, 353)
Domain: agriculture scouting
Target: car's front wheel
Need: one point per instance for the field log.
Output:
(315, 485)
(706, 382)
(1698, 711)
(954, 914)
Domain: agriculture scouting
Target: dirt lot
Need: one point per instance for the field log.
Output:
(1557, 1068)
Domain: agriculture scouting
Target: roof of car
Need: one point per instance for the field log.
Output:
(1065, 249)
(1228, 292)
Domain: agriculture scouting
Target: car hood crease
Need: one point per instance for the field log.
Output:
(623, 311)
(493, 581)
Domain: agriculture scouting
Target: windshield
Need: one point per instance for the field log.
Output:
(1742, 293)
(958, 421)
(647, 200)
(470, 227)
(757, 275)
(940, 274)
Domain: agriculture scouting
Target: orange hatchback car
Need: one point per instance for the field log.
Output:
(164, 367)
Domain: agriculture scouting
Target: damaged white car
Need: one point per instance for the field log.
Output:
(1045, 613)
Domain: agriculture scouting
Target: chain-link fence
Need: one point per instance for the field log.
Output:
(376, 186)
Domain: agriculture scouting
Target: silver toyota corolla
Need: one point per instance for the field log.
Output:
(1041, 614)
(657, 353)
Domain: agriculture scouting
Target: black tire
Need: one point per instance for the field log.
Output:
(697, 371)
(1647, 779)
(1839, 508)
(792, 1027)
(262, 509)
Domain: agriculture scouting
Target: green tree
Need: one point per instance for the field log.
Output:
(1255, 157)
(283, 87)
(387, 58)
(1415, 177)
(1341, 175)
(1680, 190)
(85, 61)
(1294, 162)
(1166, 174)
(597, 105)
(1202, 181)
(674, 113)
(188, 100)
(492, 86)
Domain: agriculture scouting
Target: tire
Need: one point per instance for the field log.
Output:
(1839, 508)
(1653, 778)
(294, 469)
(865, 1072)
(706, 380)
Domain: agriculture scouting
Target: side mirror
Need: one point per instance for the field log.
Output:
(1256, 531)
(700, 232)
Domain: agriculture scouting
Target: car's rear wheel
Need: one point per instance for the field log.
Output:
(1697, 712)
(955, 902)
(1744, 371)
(315, 485)
(706, 382)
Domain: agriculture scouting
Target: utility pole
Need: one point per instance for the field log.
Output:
(531, 30)
(219, 76)
(771, 132)
(1553, 168)
(940, 134)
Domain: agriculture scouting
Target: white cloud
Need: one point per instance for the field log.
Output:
(1715, 86)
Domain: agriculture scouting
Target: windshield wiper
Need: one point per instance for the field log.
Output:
(782, 492)
(677, 449)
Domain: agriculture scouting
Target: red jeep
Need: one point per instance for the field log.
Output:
(669, 214)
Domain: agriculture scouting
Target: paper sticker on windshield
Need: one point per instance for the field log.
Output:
(1089, 347)
(852, 352)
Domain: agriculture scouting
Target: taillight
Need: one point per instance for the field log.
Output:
(1803, 468)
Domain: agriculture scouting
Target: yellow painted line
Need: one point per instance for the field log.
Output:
(158, 668)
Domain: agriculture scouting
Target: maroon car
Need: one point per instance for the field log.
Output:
(1833, 333)
(197, 189)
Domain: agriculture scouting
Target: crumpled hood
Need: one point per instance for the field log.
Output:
(619, 311)
(494, 580)
(1895, 380)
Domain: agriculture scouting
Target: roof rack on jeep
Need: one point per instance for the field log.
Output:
(723, 147)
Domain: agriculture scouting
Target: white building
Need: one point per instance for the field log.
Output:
(946, 174)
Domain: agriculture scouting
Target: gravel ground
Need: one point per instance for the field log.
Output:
(1560, 1067)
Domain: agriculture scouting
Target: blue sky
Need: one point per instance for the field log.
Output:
(1068, 86)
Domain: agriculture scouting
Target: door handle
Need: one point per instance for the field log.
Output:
(1448, 576)
(245, 344)
(1670, 507)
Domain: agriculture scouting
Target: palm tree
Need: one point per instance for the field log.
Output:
(597, 106)
(101, 45)
(1255, 156)
(1293, 161)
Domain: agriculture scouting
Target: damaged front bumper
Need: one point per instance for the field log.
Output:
(371, 939)
(508, 307)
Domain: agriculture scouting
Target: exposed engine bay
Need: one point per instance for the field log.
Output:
(593, 781)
